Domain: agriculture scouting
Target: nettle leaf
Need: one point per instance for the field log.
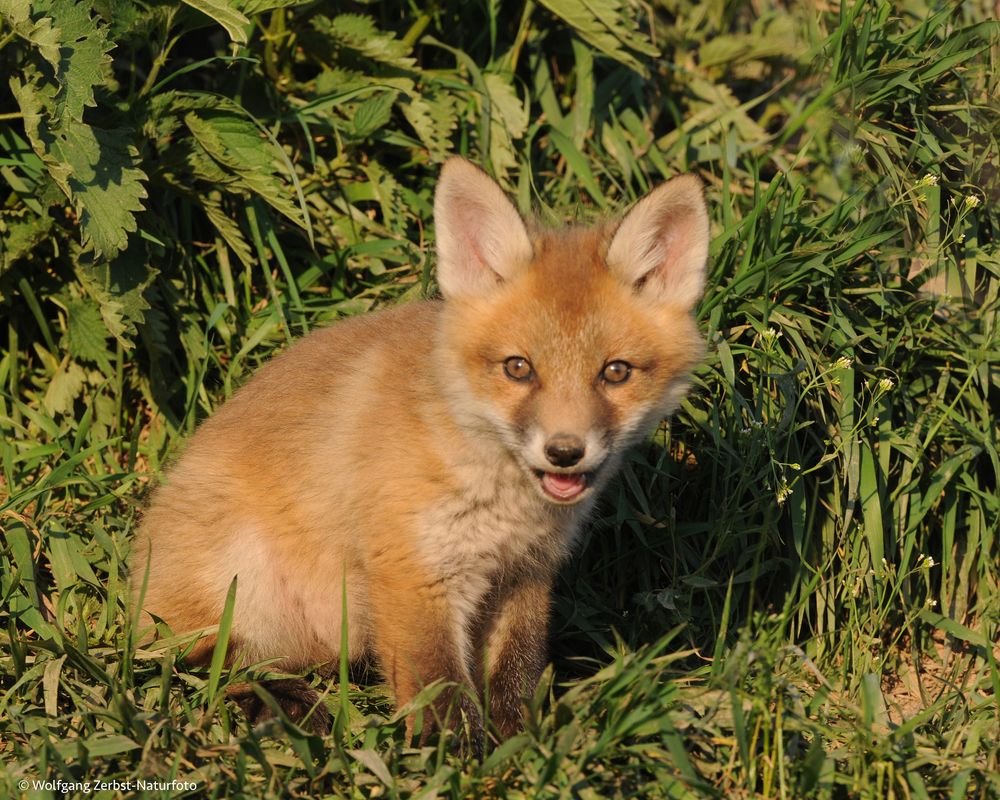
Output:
(34, 103)
(336, 81)
(86, 333)
(434, 119)
(373, 114)
(25, 173)
(96, 169)
(608, 26)
(508, 121)
(65, 386)
(200, 164)
(359, 35)
(83, 61)
(230, 232)
(211, 140)
(242, 149)
(20, 232)
(104, 184)
(389, 195)
(340, 83)
(119, 287)
(126, 18)
(39, 33)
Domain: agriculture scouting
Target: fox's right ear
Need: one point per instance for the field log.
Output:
(481, 239)
(661, 246)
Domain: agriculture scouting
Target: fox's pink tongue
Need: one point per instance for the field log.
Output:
(563, 487)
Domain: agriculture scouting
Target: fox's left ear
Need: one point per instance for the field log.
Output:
(661, 246)
(481, 239)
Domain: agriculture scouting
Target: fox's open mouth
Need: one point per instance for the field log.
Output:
(563, 487)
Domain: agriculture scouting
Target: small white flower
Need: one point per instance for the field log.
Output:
(783, 493)
(843, 362)
(972, 201)
(886, 384)
(927, 561)
(931, 603)
(928, 180)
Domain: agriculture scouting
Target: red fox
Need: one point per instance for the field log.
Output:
(436, 458)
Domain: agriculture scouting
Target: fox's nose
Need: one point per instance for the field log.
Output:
(564, 449)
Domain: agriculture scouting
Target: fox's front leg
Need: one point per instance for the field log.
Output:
(419, 638)
(516, 638)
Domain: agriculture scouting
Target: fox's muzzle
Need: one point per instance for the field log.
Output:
(564, 450)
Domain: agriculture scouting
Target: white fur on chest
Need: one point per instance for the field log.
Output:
(493, 528)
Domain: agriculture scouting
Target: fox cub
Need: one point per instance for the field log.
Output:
(437, 458)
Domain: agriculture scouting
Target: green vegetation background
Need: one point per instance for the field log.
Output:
(792, 591)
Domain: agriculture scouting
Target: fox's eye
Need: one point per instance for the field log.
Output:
(518, 368)
(616, 371)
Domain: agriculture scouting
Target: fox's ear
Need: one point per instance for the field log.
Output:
(481, 239)
(662, 244)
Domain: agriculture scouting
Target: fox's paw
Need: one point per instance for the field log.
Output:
(300, 702)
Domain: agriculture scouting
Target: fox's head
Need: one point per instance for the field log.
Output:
(567, 345)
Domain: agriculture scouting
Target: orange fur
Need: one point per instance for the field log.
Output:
(394, 452)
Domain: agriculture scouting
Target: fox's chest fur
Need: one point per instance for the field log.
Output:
(492, 530)
(493, 523)
(422, 472)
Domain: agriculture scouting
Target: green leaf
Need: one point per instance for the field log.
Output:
(389, 195)
(21, 597)
(40, 33)
(434, 118)
(83, 61)
(20, 232)
(221, 642)
(119, 288)
(373, 114)
(104, 183)
(508, 121)
(226, 14)
(95, 168)
(359, 35)
(228, 229)
(102, 745)
(64, 388)
(251, 7)
(74, 49)
(86, 333)
(606, 25)
(374, 763)
(578, 163)
(237, 145)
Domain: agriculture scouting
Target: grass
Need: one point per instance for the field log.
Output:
(792, 590)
